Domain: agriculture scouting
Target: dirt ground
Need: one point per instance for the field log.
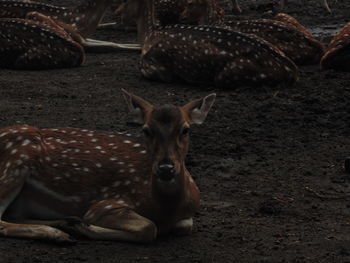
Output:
(254, 159)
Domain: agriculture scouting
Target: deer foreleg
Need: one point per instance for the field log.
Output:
(283, 4)
(236, 7)
(325, 4)
(41, 232)
(133, 230)
(105, 46)
(11, 186)
(107, 25)
(108, 220)
(156, 65)
(183, 227)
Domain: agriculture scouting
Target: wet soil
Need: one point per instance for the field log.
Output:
(268, 161)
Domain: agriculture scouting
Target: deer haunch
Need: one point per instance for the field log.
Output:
(300, 47)
(27, 44)
(337, 54)
(123, 188)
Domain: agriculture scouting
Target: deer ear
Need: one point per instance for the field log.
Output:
(197, 110)
(138, 107)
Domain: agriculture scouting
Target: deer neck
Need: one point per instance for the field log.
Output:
(168, 194)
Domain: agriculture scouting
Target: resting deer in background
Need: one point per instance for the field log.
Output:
(283, 4)
(123, 188)
(210, 55)
(39, 44)
(80, 21)
(284, 31)
(293, 40)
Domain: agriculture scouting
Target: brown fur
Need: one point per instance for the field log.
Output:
(110, 181)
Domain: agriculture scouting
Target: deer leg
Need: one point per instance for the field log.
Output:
(183, 227)
(108, 220)
(67, 224)
(283, 4)
(105, 46)
(9, 190)
(99, 41)
(154, 65)
(107, 25)
(236, 7)
(325, 4)
(40, 232)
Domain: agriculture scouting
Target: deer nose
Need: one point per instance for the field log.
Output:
(166, 171)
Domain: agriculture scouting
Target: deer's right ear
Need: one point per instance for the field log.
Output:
(138, 107)
(197, 110)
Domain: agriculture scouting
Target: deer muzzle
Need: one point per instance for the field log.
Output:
(166, 171)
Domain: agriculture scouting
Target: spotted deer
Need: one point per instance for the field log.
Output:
(103, 186)
(210, 55)
(298, 44)
(338, 52)
(284, 31)
(324, 3)
(80, 21)
(283, 4)
(33, 44)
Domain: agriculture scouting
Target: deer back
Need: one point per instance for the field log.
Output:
(27, 44)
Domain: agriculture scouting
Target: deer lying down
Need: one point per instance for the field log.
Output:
(123, 188)
(29, 44)
(299, 46)
(284, 32)
(80, 21)
(283, 4)
(337, 55)
(210, 55)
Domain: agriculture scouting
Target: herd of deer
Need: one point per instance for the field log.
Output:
(116, 187)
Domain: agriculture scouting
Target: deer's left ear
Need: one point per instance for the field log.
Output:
(138, 107)
(197, 110)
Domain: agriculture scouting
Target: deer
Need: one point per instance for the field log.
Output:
(80, 21)
(168, 12)
(207, 55)
(337, 53)
(284, 31)
(283, 4)
(102, 186)
(171, 11)
(299, 45)
(33, 44)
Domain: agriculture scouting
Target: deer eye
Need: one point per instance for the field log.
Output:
(146, 131)
(185, 131)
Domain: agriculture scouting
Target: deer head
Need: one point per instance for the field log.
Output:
(166, 132)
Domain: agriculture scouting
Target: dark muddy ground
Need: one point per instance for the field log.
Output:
(253, 159)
